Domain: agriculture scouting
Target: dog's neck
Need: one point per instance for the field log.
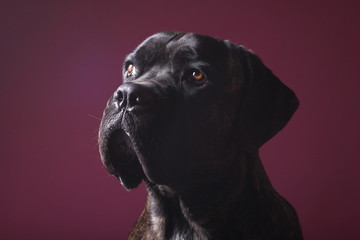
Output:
(209, 210)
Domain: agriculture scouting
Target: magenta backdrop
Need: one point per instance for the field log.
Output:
(61, 61)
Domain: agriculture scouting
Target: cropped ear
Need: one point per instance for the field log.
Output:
(267, 104)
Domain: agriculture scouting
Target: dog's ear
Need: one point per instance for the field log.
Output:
(267, 104)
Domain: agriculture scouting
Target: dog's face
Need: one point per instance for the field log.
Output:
(188, 101)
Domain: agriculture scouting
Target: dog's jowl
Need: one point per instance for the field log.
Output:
(189, 120)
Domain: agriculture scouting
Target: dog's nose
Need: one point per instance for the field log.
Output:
(132, 95)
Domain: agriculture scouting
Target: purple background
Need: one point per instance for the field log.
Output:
(61, 61)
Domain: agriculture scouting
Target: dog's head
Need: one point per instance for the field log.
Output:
(186, 103)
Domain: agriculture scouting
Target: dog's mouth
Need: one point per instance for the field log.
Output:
(130, 147)
(136, 148)
(119, 156)
(138, 144)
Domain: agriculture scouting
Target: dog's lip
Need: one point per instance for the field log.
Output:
(119, 157)
(113, 133)
(122, 133)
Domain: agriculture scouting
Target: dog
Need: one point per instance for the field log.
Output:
(189, 120)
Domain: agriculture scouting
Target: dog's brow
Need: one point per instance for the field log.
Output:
(176, 36)
(129, 57)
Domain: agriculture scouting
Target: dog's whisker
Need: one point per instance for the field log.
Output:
(97, 118)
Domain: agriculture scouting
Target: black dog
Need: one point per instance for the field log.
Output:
(189, 120)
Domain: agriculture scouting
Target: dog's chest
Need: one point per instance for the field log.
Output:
(174, 229)
(169, 221)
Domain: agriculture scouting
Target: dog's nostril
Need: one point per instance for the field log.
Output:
(118, 96)
(134, 99)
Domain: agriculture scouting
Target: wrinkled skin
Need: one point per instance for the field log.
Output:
(188, 120)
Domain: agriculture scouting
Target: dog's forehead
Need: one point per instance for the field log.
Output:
(189, 40)
(163, 45)
(168, 43)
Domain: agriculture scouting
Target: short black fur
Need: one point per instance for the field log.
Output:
(188, 120)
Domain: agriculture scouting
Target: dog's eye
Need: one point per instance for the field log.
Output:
(197, 77)
(130, 70)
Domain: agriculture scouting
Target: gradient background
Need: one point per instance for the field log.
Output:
(60, 61)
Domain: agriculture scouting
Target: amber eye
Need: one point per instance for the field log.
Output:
(130, 70)
(197, 76)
